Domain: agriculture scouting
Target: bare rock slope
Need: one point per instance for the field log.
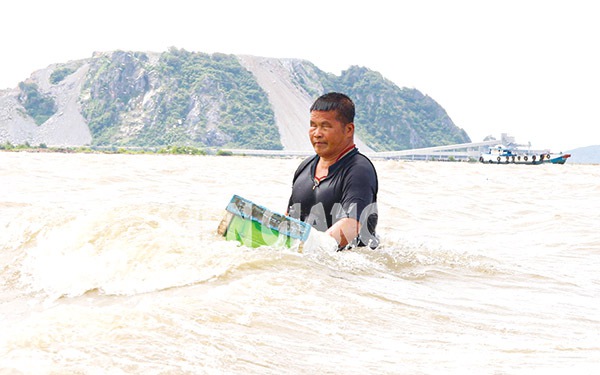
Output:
(290, 102)
(66, 127)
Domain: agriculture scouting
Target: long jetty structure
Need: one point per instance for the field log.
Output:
(458, 152)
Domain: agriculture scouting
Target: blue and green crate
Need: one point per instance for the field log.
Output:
(253, 225)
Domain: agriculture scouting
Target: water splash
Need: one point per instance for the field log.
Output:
(123, 251)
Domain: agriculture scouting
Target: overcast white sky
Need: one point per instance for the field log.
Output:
(530, 68)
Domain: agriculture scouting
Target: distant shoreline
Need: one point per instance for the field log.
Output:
(189, 150)
(170, 150)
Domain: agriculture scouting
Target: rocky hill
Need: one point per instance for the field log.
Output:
(178, 97)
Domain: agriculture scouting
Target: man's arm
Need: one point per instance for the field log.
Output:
(344, 230)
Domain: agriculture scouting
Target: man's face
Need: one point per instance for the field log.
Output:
(328, 135)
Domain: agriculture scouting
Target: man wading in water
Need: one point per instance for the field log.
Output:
(335, 190)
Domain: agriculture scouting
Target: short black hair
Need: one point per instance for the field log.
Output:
(335, 101)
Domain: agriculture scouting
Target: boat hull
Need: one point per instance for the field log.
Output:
(506, 156)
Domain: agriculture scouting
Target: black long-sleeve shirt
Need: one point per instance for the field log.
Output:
(348, 190)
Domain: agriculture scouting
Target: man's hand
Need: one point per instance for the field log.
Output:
(319, 243)
(344, 231)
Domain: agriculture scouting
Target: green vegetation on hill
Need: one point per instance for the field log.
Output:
(392, 118)
(186, 98)
(245, 116)
(388, 117)
(108, 91)
(61, 73)
(38, 106)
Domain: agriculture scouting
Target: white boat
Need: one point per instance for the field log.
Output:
(505, 155)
